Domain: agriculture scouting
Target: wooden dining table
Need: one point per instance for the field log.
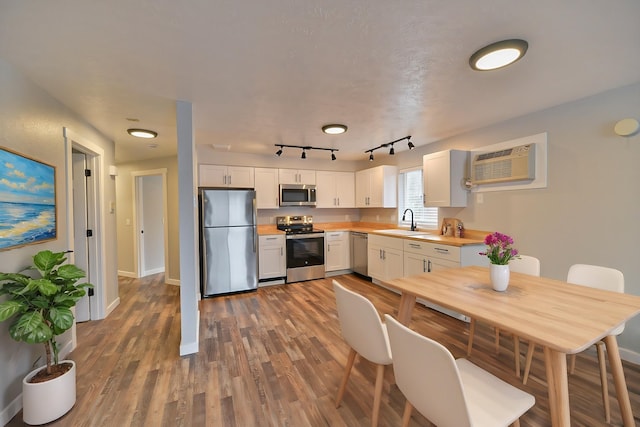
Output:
(561, 317)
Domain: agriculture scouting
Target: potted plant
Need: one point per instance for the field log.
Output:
(40, 309)
(499, 251)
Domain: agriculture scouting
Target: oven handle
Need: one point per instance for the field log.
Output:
(305, 236)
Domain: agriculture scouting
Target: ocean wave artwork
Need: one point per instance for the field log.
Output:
(27, 200)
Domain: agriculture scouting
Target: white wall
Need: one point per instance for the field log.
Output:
(31, 123)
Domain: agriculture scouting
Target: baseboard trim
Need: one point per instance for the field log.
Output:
(630, 356)
(130, 274)
(112, 306)
(174, 282)
(11, 410)
(192, 347)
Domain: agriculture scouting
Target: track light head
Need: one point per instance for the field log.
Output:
(392, 151)
(304, 154)
(333, 156)
(279, 152)
(410, 144)
(371, 157)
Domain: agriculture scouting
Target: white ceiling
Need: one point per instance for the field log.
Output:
(261, 73)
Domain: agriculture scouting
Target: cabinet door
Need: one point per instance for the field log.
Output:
(272, 262)
(326, 189)
(307, 177)
(240, 177)
(212, 176)
(345, 189)
(393, 263)
(442, 174)
(414, 264)
(335, 253)
(376, 187)
(434, 264)
(266, 188)
(363, 188)
(288, 176)
(375, 265)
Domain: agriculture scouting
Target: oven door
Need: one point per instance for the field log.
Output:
(304, 250)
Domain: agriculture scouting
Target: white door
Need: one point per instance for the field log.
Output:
(80, 227)
(150, 224)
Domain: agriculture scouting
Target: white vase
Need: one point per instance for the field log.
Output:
(48, 401)
(499, 275)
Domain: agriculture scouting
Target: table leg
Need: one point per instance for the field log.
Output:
(618, 378)
(407, 302)
(558, 387)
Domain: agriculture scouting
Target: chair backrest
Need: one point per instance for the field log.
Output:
(598, 277)
(428, 376)
(361, 326)
(525, 264)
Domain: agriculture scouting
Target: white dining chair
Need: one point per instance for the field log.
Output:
(598, 277)
(365, 333)
(450, 392)
(523, 264)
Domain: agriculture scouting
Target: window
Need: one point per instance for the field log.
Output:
(410, 196)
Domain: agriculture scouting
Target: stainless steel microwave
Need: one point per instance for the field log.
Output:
(297, 195)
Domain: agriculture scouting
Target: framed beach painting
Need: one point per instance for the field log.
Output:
(27, 200)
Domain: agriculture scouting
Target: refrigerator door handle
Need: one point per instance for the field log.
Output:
(255, 226)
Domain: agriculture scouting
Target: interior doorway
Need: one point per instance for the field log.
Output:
(81, 227)
(151, 227)
(85, 220)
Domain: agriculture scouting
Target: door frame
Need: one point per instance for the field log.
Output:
(136, 226)
(95, 216)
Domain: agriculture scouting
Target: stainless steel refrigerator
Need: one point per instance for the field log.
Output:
(228, 241)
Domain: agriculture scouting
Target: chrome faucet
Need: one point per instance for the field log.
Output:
(413, 225)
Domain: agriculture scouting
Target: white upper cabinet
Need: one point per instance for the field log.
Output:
(297, 176)
(226, 176)
(335, 189)
(267, 194)
(443, 174)
(377, 187)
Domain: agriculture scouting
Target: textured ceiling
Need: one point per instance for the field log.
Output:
(267, 72)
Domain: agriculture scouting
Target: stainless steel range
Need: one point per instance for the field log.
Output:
(305, 248)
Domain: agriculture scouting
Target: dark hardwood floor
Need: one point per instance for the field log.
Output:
(275, 358)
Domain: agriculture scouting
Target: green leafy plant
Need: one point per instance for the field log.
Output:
(41, 307)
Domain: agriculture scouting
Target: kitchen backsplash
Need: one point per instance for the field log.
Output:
(268, 216)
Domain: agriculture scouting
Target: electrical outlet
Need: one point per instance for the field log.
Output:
(480, 198)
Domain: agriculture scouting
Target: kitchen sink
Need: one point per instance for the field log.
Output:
(401, 232)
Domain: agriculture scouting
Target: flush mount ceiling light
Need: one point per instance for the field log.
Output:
(334, 129)
(498, 55)
(142, 133)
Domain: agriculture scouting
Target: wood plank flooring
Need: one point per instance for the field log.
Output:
(275, 358)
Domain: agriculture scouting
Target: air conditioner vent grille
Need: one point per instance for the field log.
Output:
(512, 164)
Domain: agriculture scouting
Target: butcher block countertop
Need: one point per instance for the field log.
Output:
(471, 237)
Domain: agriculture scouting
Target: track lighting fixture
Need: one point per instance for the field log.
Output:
(392, 151)
(304, 150)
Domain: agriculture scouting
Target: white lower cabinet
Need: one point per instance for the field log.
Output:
(272, 257)
(425, 257)
(337, 251)
(385, 257)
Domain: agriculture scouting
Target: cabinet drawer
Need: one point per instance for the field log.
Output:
(444, 252)
(386, 242)
(271, 240)
(334, 236)
(415, 247)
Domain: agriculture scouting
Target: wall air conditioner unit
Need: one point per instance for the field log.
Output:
(511, 164)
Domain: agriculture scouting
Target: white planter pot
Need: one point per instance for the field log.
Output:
(499, 275)
(48, 401)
